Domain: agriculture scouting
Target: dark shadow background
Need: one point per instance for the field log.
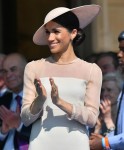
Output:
(20, 20)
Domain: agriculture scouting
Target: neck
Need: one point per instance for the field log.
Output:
(17, 90)
(64, 57)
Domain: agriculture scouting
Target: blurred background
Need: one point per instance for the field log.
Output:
(19, 19)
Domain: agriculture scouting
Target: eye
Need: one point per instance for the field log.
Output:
(47, 32)
(56, 31)
(13, 69)
(109, 90)
(4, 71)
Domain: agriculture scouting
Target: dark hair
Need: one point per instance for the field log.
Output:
(121, 36)
(70, 21)
(111, 54)
(91, 58)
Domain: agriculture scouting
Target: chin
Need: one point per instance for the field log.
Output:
(54, 51)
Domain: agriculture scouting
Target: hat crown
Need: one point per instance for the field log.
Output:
(55, 13)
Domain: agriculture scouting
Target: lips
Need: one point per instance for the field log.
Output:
(53, 45)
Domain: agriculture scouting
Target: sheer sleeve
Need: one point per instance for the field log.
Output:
(88, 112)
(29, 95)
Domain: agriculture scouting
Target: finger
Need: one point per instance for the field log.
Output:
(93, 134)
(101, 107)
(53, 85)
(51, 81)
(18, 109)
(97, 135)
(38, 86)
(92, 137)
(108, 102)
(4, 110)
(103, 104)
(3, 114)
(37, 82)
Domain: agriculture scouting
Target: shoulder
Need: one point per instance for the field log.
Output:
(34, 64)
(90, 66)
(97, 68)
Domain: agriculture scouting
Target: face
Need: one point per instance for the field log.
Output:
(110, 90)
(13, 73)
(121, 55)
(2, 82)
(106, 64)
(59, 38)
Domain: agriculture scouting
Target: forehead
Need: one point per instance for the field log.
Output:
(109, 83)
(11, 62)
(121, 43)
(52, 25)
(105, 60)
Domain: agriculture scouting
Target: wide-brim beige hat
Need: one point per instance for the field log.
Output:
(85, 14)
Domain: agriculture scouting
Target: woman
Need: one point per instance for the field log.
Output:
(111, 88)
(61, 99)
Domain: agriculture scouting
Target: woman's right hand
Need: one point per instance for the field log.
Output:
(41, 91)
(106, 111)
(105, 107)
(38, 103)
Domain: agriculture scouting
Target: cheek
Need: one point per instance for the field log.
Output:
(65, 37)
(20, 77)
(114, 95)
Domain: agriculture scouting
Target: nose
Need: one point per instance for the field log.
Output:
(120, 54)
(51, 37)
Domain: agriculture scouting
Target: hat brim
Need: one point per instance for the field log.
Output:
(86, 14)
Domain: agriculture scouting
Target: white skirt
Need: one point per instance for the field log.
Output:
(56, 132)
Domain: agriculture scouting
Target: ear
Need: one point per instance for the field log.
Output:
(73, 34)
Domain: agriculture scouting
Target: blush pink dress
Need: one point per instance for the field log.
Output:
(79, 83)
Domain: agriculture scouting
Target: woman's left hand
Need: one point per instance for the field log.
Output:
(54, 92)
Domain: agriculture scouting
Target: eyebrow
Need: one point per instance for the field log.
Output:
(12, 67)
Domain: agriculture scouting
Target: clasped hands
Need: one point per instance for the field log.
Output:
(10, 119)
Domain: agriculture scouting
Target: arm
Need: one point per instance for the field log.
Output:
(65, 106)
(116, 141)
(86, 113)
(105, 107)
(37, 105)
(105, 116)
(32, 104)
(98, 125)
